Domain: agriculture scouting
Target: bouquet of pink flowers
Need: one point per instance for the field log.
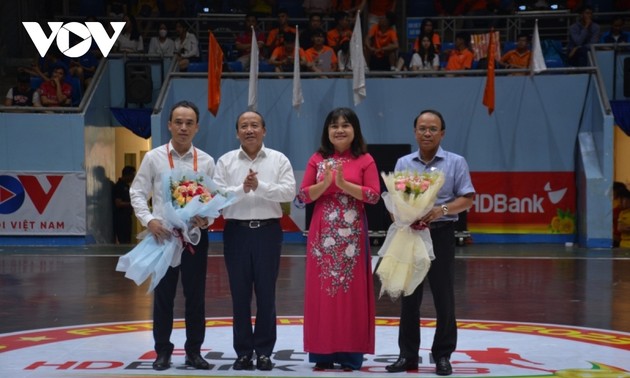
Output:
(190, 194)
(406, 252)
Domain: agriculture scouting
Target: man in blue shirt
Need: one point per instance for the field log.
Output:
(455, 196)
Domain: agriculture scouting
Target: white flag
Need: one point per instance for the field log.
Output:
(298, 99)
(358, 62)
(537, 63)
(252, 102)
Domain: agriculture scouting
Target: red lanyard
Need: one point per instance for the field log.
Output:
(170, 158)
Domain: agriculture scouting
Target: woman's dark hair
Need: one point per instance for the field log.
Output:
(184, 104)
(434, 112)
(424, 23)
(358, 146)
(429, 53)
(135, 32)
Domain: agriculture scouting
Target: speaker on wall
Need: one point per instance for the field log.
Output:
(385, 157)
(138, 83)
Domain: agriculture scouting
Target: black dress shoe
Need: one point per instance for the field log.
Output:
(443, 366)
(243, 363)
(263, 363)
(321, 366)
(403, 364)
(162, 362)
(197, 362)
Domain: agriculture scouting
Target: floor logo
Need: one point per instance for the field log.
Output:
(485, 349)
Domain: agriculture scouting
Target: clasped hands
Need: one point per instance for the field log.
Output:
(337, 177)
(251, 181)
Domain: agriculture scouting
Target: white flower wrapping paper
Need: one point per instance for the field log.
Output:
(406, 253)
(152, 259)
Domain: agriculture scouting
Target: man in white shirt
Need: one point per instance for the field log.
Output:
(262, 178)
(180, 154)
(186, 46)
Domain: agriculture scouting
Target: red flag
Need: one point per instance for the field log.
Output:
(215, 69)
(488, 93)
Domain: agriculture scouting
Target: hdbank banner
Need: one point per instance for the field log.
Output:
(523, 203)
(35, 203)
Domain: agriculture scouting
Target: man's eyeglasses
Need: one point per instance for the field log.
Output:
(432, 130)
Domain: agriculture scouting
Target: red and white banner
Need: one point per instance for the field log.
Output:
(523, 203)
(37, 203)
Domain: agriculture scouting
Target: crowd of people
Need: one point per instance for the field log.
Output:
(323, 43)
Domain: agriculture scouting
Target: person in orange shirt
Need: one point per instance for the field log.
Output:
(378, 9)
(282, 57)
(520, 56)
(426, 28)
(321, 58)
(381, 44)
(341, 30)
(460, 58)
(275, 38)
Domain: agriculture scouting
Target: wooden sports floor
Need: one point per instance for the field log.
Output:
(49, 287)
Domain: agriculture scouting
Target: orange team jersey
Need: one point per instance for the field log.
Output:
(280, 53)
(382, 39)
(328, 54)
(380, 7)
(276, 39)
(459, 60)
(334, 37)
(516, 59)
(435, 39)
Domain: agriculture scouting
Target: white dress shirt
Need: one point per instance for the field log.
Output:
(276, 183)
(164, 48)
(188, 48)
(148, 180)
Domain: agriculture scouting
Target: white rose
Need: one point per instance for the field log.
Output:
(350, 250)
(344, 232)
(328, 242)
(350, 216)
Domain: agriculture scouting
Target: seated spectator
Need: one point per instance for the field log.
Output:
(460, 58)
(22, 94)
(321, 58)
(161, 44)
(130, 40)
(43, 67)
(306, 34)
(186, 46)
(275, 38)
(616, 33)
(344, 58)
(282, 57)
(56, 92)
(582, 34)
(340, 32)
(381, 44)
(426, 28)
(244, 41)
(426, 59)
(520, 56)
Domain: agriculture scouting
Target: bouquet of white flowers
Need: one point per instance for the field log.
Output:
(190, 194)
(407, 252)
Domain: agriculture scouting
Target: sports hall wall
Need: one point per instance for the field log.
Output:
(531, 140)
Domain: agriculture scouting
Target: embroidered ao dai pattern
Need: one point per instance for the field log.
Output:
(339, 295)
